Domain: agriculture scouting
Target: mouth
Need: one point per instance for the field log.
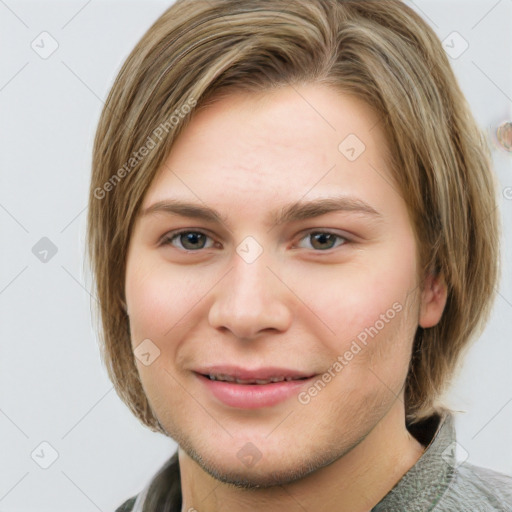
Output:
(230, 378)
(262, 375)
(252, 389)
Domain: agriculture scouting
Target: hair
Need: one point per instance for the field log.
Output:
(382, 52)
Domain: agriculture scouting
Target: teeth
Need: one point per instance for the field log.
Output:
(229, 378)
(249, 381)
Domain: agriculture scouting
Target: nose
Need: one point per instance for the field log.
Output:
(250, 300)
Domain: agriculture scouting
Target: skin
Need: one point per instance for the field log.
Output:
(299, 305)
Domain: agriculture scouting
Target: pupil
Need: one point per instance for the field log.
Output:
(323, 238)
(192, 238)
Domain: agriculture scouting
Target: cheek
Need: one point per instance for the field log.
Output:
(348, 301)
(363, 317)
(158, 299)
(157, 302)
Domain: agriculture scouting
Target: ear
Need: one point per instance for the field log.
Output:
(433, 300)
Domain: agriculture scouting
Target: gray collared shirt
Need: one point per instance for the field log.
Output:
(436, 483)
(440, 483)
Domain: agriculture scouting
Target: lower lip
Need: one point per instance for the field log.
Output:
(253, 396)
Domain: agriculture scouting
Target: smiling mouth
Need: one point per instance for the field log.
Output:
(271, 380)
(259, 388)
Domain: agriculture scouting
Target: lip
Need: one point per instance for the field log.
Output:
(257, 373)
(253, 396)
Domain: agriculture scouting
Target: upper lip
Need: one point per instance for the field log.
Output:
(258, 373)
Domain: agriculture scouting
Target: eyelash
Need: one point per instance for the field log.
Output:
(169, 237)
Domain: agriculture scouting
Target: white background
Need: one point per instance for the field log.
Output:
(52, 385)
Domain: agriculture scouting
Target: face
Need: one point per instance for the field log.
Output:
(296, 258)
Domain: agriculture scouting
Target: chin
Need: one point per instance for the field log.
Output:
(265, 474)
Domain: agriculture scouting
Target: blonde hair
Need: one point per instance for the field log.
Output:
(379, 51)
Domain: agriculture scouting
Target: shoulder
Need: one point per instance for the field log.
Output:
(164, 487)
(481, 489)
(127, 506)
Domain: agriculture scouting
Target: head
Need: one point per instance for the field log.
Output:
(248, 108)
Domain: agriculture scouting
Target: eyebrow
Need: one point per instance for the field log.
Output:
(300, 210)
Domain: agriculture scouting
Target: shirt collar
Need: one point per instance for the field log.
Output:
(423, 485)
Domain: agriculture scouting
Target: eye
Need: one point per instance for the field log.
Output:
(324, 240)
(188, 240)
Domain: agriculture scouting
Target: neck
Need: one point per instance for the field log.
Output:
(358, 480)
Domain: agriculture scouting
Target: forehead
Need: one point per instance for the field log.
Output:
(277, 146)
